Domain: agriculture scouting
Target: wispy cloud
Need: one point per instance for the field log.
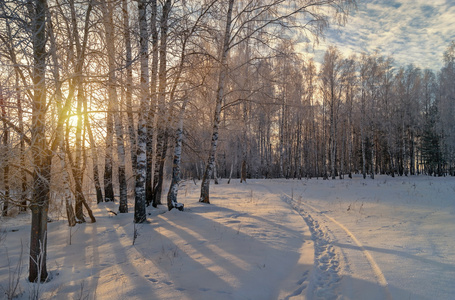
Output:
(412, 31)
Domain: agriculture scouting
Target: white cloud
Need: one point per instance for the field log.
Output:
(412, 31)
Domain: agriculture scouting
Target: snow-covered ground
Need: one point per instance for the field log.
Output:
(388, 238)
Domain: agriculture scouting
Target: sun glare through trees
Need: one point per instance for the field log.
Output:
(120, 101)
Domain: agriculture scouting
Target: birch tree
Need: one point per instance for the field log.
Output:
(173, 189)
(140, 201)
(42, 158)
(4, 150)
(263, 16)
(331, 89)
(446, 107)
(129, 84)
(151, 151)
(113, 98)
(205, 185)
(162, 113)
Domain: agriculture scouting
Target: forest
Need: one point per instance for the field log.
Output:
(123, 100)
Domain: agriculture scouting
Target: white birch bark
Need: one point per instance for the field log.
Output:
(5, 162)
(151, 136)
(108, 160)
(129, 85)
(205, 185)
(362, 135)
(80, 46)
(139, 201)
(96, 176)
(113, 98)
(163, 114)
(66, 188)
(173, 189)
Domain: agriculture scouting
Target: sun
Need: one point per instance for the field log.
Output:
(90, 125)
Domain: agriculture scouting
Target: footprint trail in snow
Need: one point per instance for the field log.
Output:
(325, 279)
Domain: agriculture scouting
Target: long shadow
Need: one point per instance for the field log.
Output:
(356, 288)
(94, 279)
(93, 267)
(255, 260)
(189, 280)
(138, 286)
(438, 287)
(66, 256)
(185, 235)
(404, 254)
(199, 210)
(79, 284)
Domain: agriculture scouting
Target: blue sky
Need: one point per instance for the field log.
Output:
(411, 31)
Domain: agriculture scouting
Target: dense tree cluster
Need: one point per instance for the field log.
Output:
(358, 114)
(101, 99)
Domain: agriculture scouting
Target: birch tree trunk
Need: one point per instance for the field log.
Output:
(129, 85)
(324, 149)
(151, 151)
(77, 166)
(362, 132)
(230, 172)
(108, 159)
(404, 160)
(22, 148)
(334, 122)
(113, 98)
(173, 189)
(108, 187)
(343, 151)
(6, 193)
(364, 160)
(205, 185)
(162, 121)
(412, 153)
(159, 171)
(373, 155)
(139, 201)
(40, 154)
(66, 187)
(78, 184)
(215, 174)
(96, 176)
(281, 145)
(350, 134)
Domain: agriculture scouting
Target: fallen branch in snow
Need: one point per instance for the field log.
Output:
(110, 211)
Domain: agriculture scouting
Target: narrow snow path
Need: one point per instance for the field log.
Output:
(374, 266)
(329, 280)
(325, 278)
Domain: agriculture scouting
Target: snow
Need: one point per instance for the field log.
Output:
(388, 238)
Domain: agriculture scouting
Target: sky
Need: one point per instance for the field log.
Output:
(411, 31)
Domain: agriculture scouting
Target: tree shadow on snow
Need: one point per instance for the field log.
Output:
(217, 261)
